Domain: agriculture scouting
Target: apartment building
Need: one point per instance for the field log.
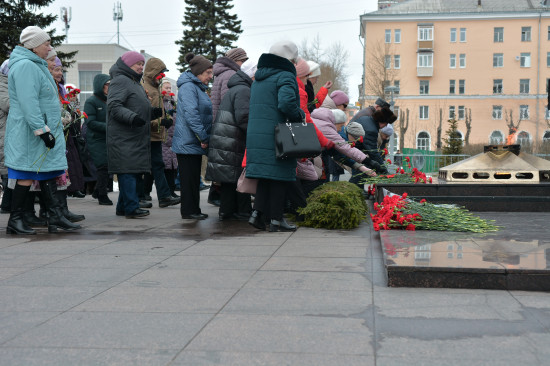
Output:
(486, 62)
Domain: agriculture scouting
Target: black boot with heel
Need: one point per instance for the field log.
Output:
(16, 222)
(54, 209)
(281, 225)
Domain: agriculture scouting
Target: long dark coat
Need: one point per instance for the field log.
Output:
(96, 134)
(274, 99)
(128, 146)
(228, 137)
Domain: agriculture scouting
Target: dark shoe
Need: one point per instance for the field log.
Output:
(104, 200)
(202, 187)
(53, 204)
(120, 213)
(174, 195)
(30, 219)
(168, 201)
(215, 202)
(16, 223)
(94, 195)
(233, 217)
(256, 220)
(148, 197)
(138, 212)
(281, 225)
(200, 216)
(77, 194)
(72, 217)
(145, 204)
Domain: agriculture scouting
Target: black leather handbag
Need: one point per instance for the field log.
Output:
(296, 140)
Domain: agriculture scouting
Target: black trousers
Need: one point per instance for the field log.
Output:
(170, 175)
(232, 201)
(102, 185)
(270, 198)
(189, 167)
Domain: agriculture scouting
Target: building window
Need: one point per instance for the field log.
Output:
(461, 112)
(497, 112)
(425, 33)
(499, 34)
(397, 61)
(396, 84)
(424, 87)
(461, 86)
(526, 34)
(397, 36)
(387, 61)
(86, 83)
(547, 59)
(453, 34)
(424, 112)
(547, 114)
(546, 136)
(425, 60)
(496, 138)
(525, 59)
(549, 32)
(524, 86)
(387, 37)
(524, 138)
(523, 111)
(497, 86)
(462, 60)
(451, 112)
(462, 34)
(498, 59)
(452, 61)
(423, 141)
(452, 87)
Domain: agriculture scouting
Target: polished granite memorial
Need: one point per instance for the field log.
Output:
(517, 257)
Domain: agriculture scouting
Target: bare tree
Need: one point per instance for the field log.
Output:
(403, 127)
(332, 62)
(438, 143)
(468, 121)
(509, 118)
(377, 74)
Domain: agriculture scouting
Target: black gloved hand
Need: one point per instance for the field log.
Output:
(367, 162)
(156, 112)
(166, 122)
(171, 112)
(138, 121)
(48, 139)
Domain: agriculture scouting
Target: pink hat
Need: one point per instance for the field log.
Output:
(302, 68)
(339, 97)
(131, 58)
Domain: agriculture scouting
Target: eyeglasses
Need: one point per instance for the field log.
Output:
(345, 106)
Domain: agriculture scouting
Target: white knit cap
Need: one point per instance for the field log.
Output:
(250, 67)
(339, 116)
(388, 130)
(286, 49)
(314, 69)
(33, 36)
(51, 54)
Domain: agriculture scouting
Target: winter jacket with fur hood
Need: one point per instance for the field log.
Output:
(152, 69)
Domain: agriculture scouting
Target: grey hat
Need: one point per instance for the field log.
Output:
(286, 49)
(355, 129)
(32, 37)
(51, 54)
(388, 130)
(382, 103)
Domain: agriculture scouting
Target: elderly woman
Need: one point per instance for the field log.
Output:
(192, 132)
(129, 131)
(274, 98)
(35, 147)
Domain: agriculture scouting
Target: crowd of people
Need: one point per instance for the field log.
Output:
(136, 129)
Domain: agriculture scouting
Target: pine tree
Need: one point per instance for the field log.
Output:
(209, 29)
(16, 15)
(453, 141)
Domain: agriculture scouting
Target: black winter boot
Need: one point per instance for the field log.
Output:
(16, 223)
(257, 220)
(29, 213)
(62, 197)
(56, 219)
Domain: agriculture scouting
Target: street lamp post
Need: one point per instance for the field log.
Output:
(392, 89)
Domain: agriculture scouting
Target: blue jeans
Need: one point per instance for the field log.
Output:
(128, 200)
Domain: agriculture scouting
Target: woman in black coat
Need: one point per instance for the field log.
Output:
(129, 130)
(227, 146)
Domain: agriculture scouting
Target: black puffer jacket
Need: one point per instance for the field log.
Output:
(228, 138)
(128, 146)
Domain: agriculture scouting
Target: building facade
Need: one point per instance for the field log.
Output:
(484, 62)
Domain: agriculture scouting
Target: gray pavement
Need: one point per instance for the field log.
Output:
(166, 291)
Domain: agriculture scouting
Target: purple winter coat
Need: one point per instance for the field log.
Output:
(168, 156)
(223, 68)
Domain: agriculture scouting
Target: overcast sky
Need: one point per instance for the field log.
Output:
(155, 29)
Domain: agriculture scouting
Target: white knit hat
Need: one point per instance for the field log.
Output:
(250, 67)
(339, 116)
(33, 36)
(286, 49)
(388, 130)
(314, 69)
(51, 54)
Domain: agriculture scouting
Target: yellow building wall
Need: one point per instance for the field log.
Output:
(478, 75)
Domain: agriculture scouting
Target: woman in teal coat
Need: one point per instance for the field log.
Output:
(274, 98)
(34, 143)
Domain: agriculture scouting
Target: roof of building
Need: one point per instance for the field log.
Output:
(463, 6)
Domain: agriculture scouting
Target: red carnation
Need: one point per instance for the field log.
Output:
(172, 94)
(407, 159)
(85, 115)
(163, 92)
